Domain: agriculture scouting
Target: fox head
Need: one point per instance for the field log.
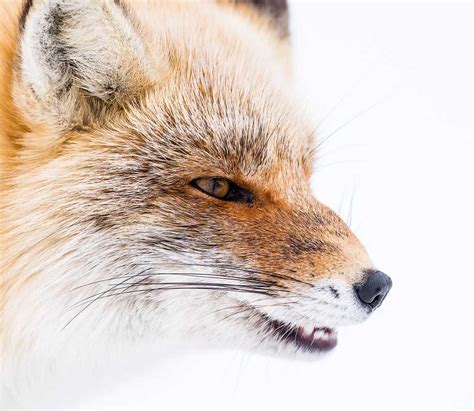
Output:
(160, 184)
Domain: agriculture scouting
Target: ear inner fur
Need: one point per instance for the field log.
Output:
(77, 54)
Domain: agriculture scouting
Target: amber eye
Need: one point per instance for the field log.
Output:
(214, 186)
(223, 189)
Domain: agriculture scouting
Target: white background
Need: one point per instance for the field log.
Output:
(402, 73)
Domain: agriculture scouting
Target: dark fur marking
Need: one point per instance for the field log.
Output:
(55, 20)
(126, 11)
(58, 55)
(24, 13)
(334, 292)
(299, 246)
(276, 9)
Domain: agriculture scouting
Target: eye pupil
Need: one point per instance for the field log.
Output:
(220, 187)
(215, 185)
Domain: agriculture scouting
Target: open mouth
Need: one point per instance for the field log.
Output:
(317, 339)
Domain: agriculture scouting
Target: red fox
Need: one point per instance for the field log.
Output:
(156, 185)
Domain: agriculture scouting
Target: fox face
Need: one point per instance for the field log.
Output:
(160, 186)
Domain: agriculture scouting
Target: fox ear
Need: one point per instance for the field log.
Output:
(79, 51)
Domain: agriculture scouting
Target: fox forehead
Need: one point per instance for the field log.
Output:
(225, 104)
(209, 131)
(200, 125)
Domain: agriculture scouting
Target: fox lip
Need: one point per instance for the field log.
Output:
(319, 339)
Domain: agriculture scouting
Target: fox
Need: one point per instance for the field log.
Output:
(155, 186)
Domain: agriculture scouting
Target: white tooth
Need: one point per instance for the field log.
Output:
(319, 334)
(304, 332)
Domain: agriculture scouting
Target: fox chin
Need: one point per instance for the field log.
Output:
(155, 186)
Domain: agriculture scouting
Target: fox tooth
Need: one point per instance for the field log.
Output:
(309, 330)
(319, 334)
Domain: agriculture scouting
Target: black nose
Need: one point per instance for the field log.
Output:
(374, 289)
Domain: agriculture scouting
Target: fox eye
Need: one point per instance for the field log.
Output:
(214, 186)
(223, 189)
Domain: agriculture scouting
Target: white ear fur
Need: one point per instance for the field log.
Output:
(82, 46)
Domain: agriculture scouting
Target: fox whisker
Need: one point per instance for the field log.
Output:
(195, 286)
(184, 274)
(184, 285)
(242, 269)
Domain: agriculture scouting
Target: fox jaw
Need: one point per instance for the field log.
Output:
(161, 186)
